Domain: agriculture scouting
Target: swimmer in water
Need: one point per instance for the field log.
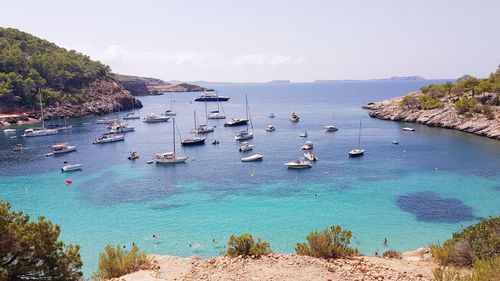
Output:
(385, 241)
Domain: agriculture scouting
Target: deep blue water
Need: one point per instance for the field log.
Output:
(414, 193)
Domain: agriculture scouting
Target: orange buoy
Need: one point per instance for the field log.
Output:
(69, 181)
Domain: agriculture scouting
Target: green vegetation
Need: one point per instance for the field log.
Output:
(30, 250)
(482, 270)
(477, 242)
(245, 245)
(115, 262)
(465, 104)
(329, 243)
(28, 63)
(429, 102)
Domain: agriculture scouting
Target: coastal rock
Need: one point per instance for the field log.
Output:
(444, 117)
(142, 86)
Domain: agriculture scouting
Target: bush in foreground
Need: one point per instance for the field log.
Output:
(30, 250)
(115, 262)
(392, 254)
(480, 241)
(245, 245)
(482, 270)
(329, 243)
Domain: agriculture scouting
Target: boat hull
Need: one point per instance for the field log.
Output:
(193, 142)
(176, 160)
(252, 158)
(69, 168)
(236, 123)
(212, 98)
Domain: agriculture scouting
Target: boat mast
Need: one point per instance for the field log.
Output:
(41, 109)
(206, 113)
(171, 102)
(246, 109)
(195, 129)
(173, 130)
(359, 136)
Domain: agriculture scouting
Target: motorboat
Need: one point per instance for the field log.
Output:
(109, 137)
(211, 96)
(216, 114)
(246, 147)
(299, 164)
(236, 122)
(61, 148)
(330, 128)
(294, 117)
(106, 121)
(67, 167)
(357, 151)
(270, 128)
(134, 155)
(272, 115)
(170, 157)
(39, 132)
(155, 118)
(252, 158)
(395, 142)
(194, 140)
(408, 129)
(310, 156)
(203, 129)
(215, 142)
(131, 116)
(10, 131)
(121, 128)
(307, 146)
(303, 134)
(171, 111)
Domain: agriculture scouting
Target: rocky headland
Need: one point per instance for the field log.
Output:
(483, 119)
(415, 266)
(143, 86)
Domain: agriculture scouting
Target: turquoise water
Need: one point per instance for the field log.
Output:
(414, 193)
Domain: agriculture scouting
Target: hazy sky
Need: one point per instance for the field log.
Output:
(266, 40)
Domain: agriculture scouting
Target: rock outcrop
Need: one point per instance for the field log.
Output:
(142, 86)
(100, 97)
(444, 117)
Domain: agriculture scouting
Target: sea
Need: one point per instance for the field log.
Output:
(433, 183)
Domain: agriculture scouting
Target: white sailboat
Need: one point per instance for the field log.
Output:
(171, 111)
(217, 114)
(205, 128)
(132, 115)
(155, 118)
(109, 137)
(39, 132)
(245, 135)
(357, 151)
(331, 128)
(170, 157)
(194, 140)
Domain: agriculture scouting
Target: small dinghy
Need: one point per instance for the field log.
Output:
(246, 147)
(408, 129)
(303, 134)
(270, 128)
(272, 115)
(7, 131)
(395, 142)
(255, 157)
(310, 156)
(67, 167)
(134, 155)
(18, 147)
(307, 146)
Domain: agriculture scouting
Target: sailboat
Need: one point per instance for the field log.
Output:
(330, 128)
(171, 111)
(204, 128)
(170, 157)
(38, 132)
(217, 114)
(132, 115)
(357, 151)
(245, 135)
(195, 140)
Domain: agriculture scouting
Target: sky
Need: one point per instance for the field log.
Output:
(258, 41)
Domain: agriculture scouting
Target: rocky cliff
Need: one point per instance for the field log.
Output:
(142, 86)
(445, 116)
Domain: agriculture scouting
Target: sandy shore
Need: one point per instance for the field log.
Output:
(284, 267)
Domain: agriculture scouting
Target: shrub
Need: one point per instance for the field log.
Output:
(429, 102)
(488, 112)
(465, 104)
(245, 245)
(476, 242)
(482, 270)
(30, 250)
(392, 254)
(410, 102)
(331, 242)
(115, 262)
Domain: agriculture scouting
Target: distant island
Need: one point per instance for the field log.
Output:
(394, 78)
(470, 105)
(143, 86)
(69, 83)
